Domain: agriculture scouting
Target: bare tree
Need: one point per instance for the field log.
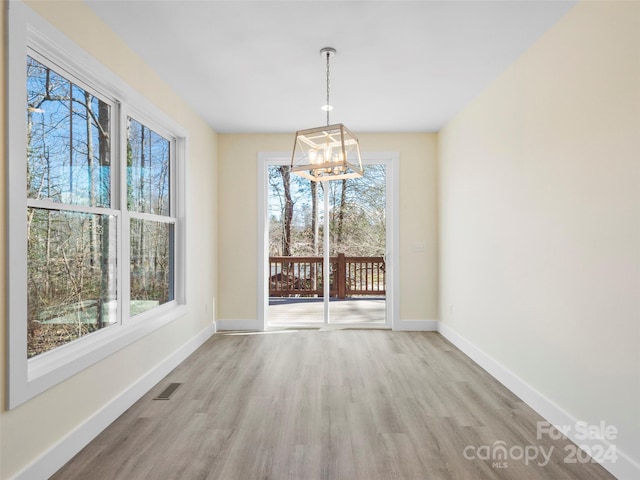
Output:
(285, 171)
(315, 231)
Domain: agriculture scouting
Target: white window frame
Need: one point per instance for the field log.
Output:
(172, 218)
(30, 377)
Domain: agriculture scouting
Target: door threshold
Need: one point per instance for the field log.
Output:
(335, 326)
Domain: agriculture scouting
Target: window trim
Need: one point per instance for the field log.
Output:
(30, 377)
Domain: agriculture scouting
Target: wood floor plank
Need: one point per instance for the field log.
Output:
(314, 404)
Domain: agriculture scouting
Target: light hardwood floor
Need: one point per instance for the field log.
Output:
(336, 404)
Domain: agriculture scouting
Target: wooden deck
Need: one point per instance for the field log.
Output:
(291, 311)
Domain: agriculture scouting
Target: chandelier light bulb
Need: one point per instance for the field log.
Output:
(328, 152)
(313, 156)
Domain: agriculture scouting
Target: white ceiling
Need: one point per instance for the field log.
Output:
(402, 66)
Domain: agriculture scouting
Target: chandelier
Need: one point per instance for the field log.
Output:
(331, 152)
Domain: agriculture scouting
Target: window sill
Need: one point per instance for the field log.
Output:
(51, 368)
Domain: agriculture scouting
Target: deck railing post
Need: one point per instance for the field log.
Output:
(341, 278)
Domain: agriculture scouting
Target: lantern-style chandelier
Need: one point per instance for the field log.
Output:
(326, 153)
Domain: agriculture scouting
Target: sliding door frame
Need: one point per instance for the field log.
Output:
(391, 161)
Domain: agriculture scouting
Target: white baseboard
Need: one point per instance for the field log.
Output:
(248, 324)
(60, 453)
(625, 468)
(415, 325)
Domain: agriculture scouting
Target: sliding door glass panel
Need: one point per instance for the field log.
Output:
(357, 246)
(295, 218)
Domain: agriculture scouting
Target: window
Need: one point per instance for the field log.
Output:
(96, 211)
(71, 231)
(151, 229)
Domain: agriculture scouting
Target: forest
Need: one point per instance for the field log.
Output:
(356, 214)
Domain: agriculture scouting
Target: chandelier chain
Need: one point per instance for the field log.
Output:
(328, 104)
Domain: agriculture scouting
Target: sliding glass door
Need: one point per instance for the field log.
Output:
(326, 249)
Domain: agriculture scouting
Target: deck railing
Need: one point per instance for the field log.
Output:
(348, 276)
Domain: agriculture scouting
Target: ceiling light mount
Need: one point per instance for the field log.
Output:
(328, 51)
(331, 152)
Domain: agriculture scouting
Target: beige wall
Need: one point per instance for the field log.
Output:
(32, 428)
(540, 218)
(237, 219)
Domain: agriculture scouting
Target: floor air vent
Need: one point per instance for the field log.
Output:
(167, 392)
